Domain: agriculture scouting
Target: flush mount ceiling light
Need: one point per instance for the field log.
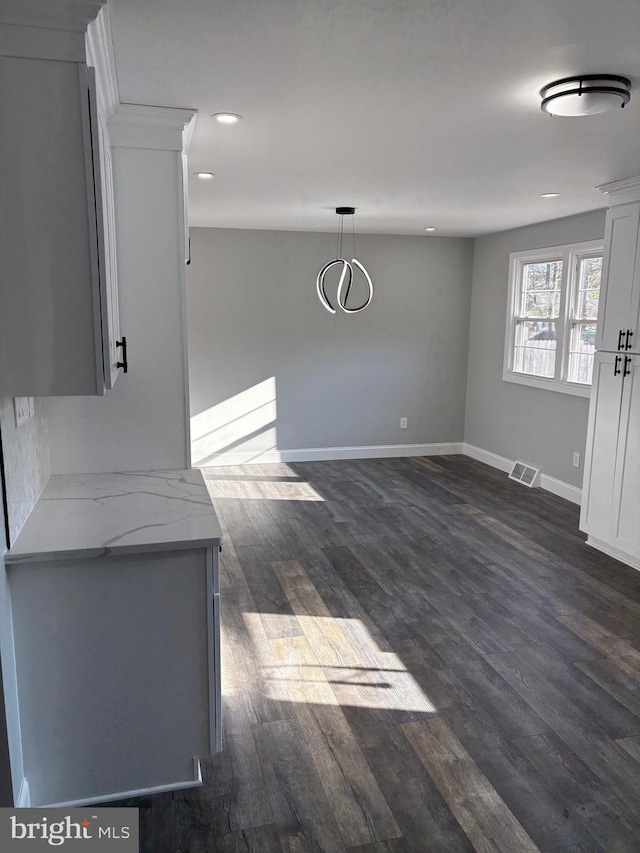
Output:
(585, 95)
(430, 228)
(346, 276)
(549, 195)
(227, 118)
(204, 176)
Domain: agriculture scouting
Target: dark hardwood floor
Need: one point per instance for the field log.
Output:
(418, 655)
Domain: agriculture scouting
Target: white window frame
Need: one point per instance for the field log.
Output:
(570, 254)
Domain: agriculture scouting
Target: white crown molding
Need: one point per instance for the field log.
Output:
(46, 29)
(100, 55)
(620, 192)
(187, 134)
(73, 15)
(142, 126)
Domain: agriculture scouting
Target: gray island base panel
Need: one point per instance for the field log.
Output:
(114, 586)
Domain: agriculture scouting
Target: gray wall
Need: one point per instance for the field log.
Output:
(340, 380)
(517, 421)
(25, 453)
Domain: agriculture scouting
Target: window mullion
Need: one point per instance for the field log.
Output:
(561, 333)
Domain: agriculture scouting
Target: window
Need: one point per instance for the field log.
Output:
(552, 314)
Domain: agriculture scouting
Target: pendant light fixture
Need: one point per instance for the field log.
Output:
(346, 276)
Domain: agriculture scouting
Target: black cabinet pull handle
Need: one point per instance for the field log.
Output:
(628, 341)
(627, 362)
(620, 337)
(616, 366)
(124, 364)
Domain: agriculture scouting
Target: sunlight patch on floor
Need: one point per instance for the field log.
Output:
(261, 489)
(302, 673)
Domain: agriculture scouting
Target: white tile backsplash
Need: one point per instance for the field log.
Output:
(26, 460)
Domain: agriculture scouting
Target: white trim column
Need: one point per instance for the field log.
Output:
(143, 422)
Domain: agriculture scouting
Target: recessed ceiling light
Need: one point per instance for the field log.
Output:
(585, 95)
(549, 195)
(204, 176)
(227, 118)
(430, 228)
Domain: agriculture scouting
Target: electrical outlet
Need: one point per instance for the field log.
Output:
(403, 423)
(576, 459)
(23, 408)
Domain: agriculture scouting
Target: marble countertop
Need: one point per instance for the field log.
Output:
(94, 515)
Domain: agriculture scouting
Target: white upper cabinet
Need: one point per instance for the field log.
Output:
(58, 292)
(619, 316)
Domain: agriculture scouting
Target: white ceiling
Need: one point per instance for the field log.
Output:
(416, 112)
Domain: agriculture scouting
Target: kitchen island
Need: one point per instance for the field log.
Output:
(114, 586)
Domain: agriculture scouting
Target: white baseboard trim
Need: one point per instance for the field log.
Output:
(318, 454)
(548, 483)
(486, 456)
(139, 792)
(560, 488)
(24, 795)
(616, 553)
(381, 451)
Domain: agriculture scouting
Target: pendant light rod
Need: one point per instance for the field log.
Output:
(342, 212)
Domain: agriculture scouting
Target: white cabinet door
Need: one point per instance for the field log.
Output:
(107, 258)
(596, 517)
(56, 305)
(620, 290)
(627, 478)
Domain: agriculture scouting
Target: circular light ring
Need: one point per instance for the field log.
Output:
(322, 295)
(343, 302)
(607, 85)
(346, 278)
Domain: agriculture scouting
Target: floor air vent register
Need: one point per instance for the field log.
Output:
(525, 474)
